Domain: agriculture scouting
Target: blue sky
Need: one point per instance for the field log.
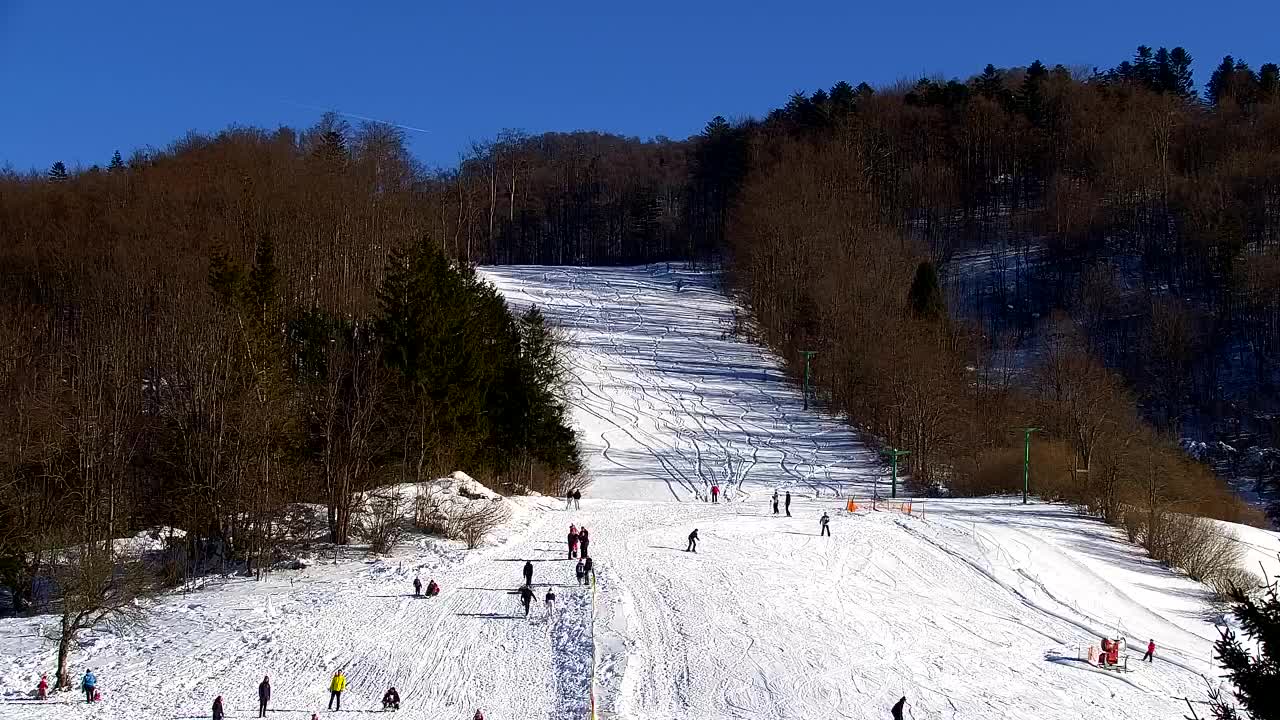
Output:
(81, 79)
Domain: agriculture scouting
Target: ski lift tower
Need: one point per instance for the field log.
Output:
(808, 355)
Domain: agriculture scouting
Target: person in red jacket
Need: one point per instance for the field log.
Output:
(573, 542)
(1106, 650)
(42, 690)
(1151, 651)
(715, 493)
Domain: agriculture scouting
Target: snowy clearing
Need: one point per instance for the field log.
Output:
(979, 609)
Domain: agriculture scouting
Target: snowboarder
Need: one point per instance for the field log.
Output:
(788, 503)
(897, 708)
(335, 689)
(581, 573)
(417, 586)
(825, 522)
(42, 690)
(264, 695)
(693, 541)
(577, 498)
(1151, 651)
(550, 600)
(391, 700)
(89, 684)
(715, 493)
(218, 714)
(528, 572)
(573, 542)
(588, 572)
(584, 540)
(432, 588)
(526, 597)
(775, 502)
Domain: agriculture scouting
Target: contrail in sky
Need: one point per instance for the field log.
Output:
(353, 115)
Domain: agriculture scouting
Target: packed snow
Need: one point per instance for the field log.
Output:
(970, 608)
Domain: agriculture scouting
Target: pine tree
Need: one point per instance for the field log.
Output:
(1180, 63)
(58, 172)
(926, 294)
(843, 98)
(1144, 67)
(1031, 97)
(1256, 678)
(117, 163)
(990, 84)
(1268, 82)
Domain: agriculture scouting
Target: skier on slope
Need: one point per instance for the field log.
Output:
(573, 542)
(825, 522)
(528, 572)
(581, 573)
(264, 695)
(417, 586)
(775, 502)
(1151, 650)
(788, 503)
(693, 541)
(584, 539)
(715, 493)
(526, 597)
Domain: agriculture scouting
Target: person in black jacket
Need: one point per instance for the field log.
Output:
(693, 541)
(264, 695)
(391, 700)
(775, 502)
(584, 539)
(588, 572)
(788, 503)
(526, 597)
(218, 714)
(417, 587)
(528, 572)
(897, 708)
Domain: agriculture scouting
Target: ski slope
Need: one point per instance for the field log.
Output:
(977, 610)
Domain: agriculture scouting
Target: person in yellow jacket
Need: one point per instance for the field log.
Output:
(335, 689)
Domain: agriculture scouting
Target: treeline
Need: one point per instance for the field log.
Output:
(1109, 243)
(203, 336)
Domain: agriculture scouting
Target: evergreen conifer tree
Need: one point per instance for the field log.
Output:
(58, 172)
(1256, 677)
(926, 293)
(1031, 97)
(117, 163)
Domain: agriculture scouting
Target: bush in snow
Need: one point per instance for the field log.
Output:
(1195, 545)
(382, 524)
(459, 508)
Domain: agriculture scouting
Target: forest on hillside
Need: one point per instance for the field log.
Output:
(204, 337)
(201, 334)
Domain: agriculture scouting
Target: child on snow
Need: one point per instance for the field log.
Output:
(90, 685)
(573, 542)
(550, 600)
(391, 700)
(42, 690)
(825, 521)
(432, 588)
(581, 572)
(1151, 651)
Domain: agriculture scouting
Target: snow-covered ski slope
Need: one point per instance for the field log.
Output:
(977, 610)
(668, 402)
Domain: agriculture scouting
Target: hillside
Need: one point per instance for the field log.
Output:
(978, 609)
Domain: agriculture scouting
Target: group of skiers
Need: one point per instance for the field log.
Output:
(775, 502)
(390, 699)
